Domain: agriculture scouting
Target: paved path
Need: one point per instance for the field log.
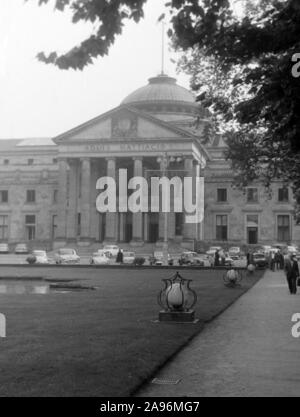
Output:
(248, 351)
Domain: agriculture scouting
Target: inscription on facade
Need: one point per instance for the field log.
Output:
(123, 147)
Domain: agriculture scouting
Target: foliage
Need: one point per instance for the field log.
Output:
(139, 261)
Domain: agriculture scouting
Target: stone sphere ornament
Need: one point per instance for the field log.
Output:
(232, 278)
(251, 268)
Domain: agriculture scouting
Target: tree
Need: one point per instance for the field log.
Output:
(254, 51)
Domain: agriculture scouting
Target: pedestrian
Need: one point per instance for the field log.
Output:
(222, 257)
(248, 258)
(217, 258)
(292, 272)
(119, 259)
(272, 261)
(281, 260)
(277, 260)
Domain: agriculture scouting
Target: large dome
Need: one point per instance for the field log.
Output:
(160, 89)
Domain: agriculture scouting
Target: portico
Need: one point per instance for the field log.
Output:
(133, 137)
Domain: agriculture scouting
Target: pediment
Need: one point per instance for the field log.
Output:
(122, 123)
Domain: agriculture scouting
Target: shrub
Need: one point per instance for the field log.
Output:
(139, 261)
(31, 259)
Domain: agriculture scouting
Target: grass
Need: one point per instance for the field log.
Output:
(98, 343)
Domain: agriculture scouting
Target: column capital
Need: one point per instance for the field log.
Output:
(110, 158)
(138, 158)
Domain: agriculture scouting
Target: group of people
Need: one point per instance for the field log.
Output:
(276, 260)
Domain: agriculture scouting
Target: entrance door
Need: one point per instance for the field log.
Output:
(252, 235)
(153, 227)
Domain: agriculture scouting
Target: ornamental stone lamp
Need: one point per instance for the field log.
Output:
(177, 300)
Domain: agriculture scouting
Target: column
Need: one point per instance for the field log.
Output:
(62, 199)
(85, 199)
(190, 229)
(137, 218)
(110, 227)
(72, 216)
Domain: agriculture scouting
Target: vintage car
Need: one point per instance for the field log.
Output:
(128, 257)
(191, 258)
(4, 248)
(158, 259)
(66, 256)
(41, 257)
(260, 260)
(21, 249)
(99, 258)
(111, 250)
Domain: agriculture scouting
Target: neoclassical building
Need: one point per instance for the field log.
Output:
(48, 186)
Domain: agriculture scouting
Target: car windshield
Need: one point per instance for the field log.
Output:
(128, 254)
(66, 252)
(259, 255)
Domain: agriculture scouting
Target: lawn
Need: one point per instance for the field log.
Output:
(98, 343)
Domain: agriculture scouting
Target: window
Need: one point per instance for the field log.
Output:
(284, 229)
(222, 227)
(3, 196)
(30, 196)
(178, 223)
(54, 226)
(30, 161)
(252, 229)
(6, 161)
(55, 196)
(283, 195)
(54, 160)
(30, 226)
(222, 195)
(3, 227)
(252, 195)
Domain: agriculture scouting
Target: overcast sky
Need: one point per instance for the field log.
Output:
(38, 100)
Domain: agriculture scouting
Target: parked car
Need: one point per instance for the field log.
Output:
(229, 261)
(66, 256)
(128, 257)
(4, 248)
(21, 249)
(158, 259)
(208, 260)
(40, 256)
(294, 250)
(111, 250)
(191, 258)
(234, 252)
(260, 260)
(99, 258)
(213, 249)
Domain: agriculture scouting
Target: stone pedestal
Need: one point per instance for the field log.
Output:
(177, 316)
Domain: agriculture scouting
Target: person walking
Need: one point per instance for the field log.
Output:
(119, 259)
(292, 273)
(217, 258)
(277, 260)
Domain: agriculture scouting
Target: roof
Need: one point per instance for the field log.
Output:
(160, 88)
(11, 144)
